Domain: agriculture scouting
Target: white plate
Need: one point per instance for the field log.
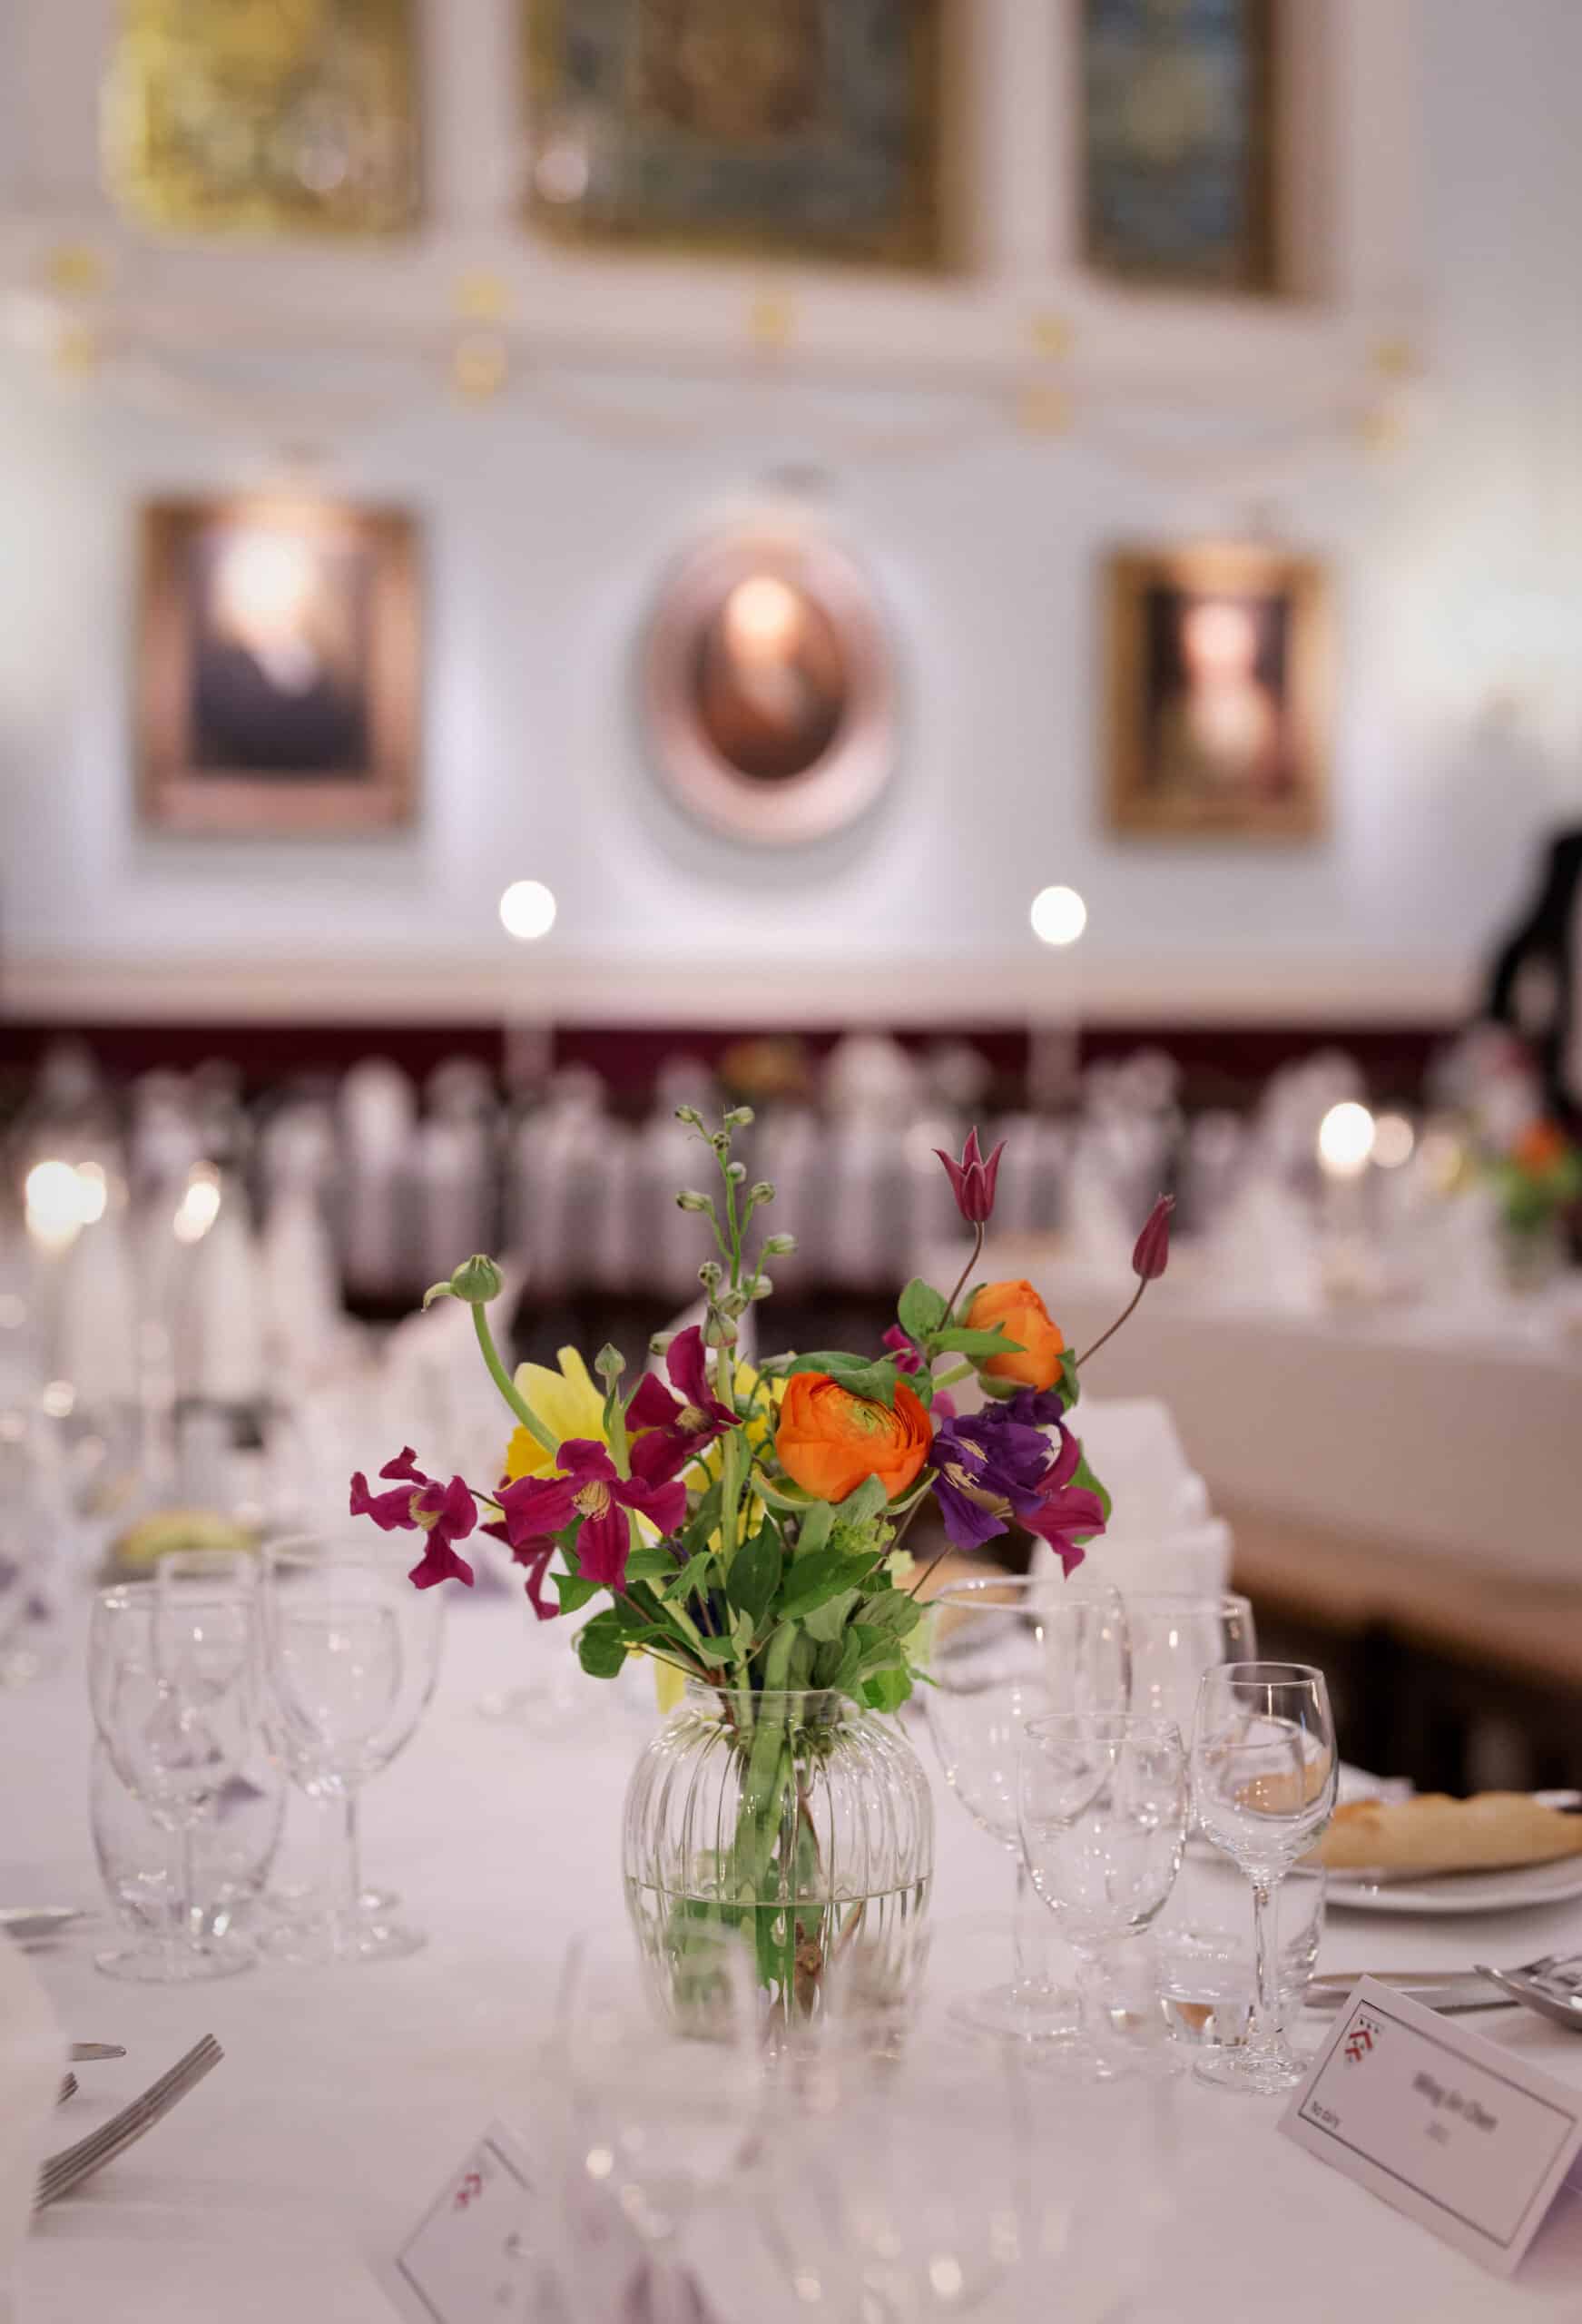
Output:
(1459, 1892)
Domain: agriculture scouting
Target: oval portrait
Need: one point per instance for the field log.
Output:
(768, 690)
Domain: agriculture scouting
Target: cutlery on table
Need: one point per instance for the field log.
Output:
(1447, 1990)
(68, 2168)
(28, 1923)
(1550, 1985)
(68, 2089)
(91, 2052)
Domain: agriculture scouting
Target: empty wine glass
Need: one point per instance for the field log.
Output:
(1264, 1776)
(173, 1685)
(235, 1850)
(352, 1655)
(654, 2102)
(1175, 1637)
(1103, 1799)
(1004, 1651)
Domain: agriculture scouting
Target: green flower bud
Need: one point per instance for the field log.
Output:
(691, 1116)
(762, 1288)
(732, 1303)
(718, 1332)
(609, 1363)
(721, 1141)
(738, 1117)
(477, 1281)
(710, 1275)
(780, 1247)
(762, 1192)
(735, 1172)
(660, 1344)
(689, 1198)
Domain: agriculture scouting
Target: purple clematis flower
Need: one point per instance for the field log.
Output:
(1064, 1509)
(534, 1508)
(1034, 1407)
(447, 1513)
(673, 1430)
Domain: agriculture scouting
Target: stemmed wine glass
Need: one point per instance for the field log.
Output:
(351, 1652)
(1264, 1777)
(173, 1682)
(1175, 1637)
(1004, 1651)
(1103, 1799)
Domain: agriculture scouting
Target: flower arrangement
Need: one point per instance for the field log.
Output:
(746, 1521)
(1537, 1179)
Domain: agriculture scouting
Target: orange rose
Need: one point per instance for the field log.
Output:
(828, 1439)
(1540, 1145)
(1017, 1310)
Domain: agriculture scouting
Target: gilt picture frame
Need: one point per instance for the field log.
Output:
(1219, 677)
(277, 667)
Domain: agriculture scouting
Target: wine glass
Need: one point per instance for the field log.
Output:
(1175, 1637)
(653, 2099)
(351, 1652)
(1264, 1777)
(1003, 1650)
(174, 1693)
(1103, 1799)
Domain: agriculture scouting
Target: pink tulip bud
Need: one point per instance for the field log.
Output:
(972, 1179)
(1152, 1255)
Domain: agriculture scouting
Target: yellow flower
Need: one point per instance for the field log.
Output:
(568, 1402)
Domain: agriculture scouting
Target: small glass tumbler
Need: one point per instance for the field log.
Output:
(1203, 1943)
(137, 1862)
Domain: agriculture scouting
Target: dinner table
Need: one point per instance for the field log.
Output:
(347, 2094)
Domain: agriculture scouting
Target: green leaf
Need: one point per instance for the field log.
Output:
(958, 1340)
(754, 1575)
(811, 1581)
(1070, 1378)
(693, 1578)
(866, 1501)
(600, 1646)
(892, 1612)
(1083, 1475)
(789, 1500)
(888, 1690)
(827, 1621)
(650, 1565)
(858, 1375)
(741, 1628)
(813, 1533)
(575, 1590)
(921, 1309)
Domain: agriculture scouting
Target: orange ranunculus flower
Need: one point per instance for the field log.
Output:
(1017, 1310)
(1540, 1145)
(828, 1439)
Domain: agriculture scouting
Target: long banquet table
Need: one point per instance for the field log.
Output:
(346, 2097)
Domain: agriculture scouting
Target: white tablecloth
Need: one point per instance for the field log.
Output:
(346, 2098)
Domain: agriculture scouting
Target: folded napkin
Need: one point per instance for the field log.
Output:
(32, 2060)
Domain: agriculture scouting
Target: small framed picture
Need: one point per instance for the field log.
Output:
(1219, 682)
(278, 669)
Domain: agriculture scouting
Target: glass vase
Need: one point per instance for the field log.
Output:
(800, 1819)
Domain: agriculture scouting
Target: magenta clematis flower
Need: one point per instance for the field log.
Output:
(903, 1347)
(1152, 1254)
(534, 1508)
(1062, 1511)
(673, 1428)
(447, 1513)
(972, 1179)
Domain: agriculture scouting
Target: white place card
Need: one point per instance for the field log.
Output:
(1464, 2137)
(470, 2258)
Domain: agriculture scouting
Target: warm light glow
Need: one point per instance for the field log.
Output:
(265, 585)
(94, 1191)
(1394, 1141)
(762, 616)
(55, 1197)
(1058, 915)
(527, 910)
(57, 1398)
(1345, 1139)
(199, 1206)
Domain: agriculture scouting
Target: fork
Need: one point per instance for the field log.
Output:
(68, 2168)
(1551, 1985)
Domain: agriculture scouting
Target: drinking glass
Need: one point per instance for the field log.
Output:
(1004, 1651)
(173, 1687)
(1203, 1940)
(1175, 1637)
(351, 1652)
(653, 2100)
(1264, 1776)
(1103, 1799)
(138, 1861)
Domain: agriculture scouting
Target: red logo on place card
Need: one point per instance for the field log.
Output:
(470, 2189)
(1359, 2042)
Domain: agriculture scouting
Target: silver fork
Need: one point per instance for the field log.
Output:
(61, 2172)
(1551, 1984)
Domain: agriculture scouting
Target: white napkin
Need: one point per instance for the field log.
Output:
(32, 2060)
(96, 1321)
(1160, 1536)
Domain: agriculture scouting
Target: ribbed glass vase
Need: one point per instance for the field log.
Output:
(800, 1819)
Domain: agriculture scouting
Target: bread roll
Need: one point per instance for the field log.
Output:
(1433, 1833)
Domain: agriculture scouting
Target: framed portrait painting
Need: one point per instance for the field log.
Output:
(1218, 680)
(767, 687)
(1178, 142)
(803, 129)
(278, 658)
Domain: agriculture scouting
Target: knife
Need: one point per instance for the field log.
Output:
(1443, 1989)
